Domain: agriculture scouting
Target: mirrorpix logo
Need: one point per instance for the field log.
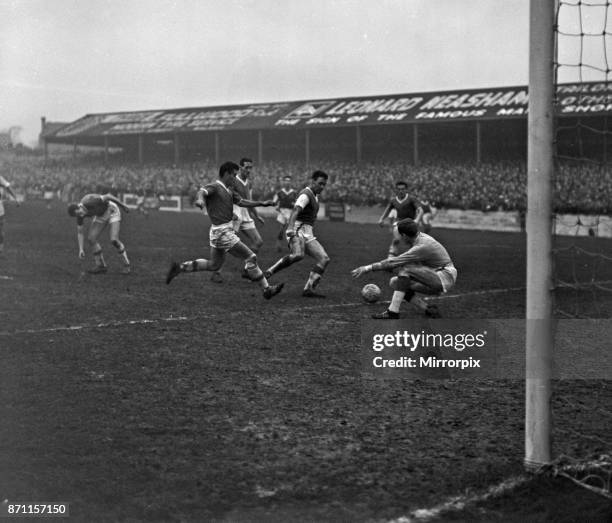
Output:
(310, 109)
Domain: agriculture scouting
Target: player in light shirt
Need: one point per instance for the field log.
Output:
(104, 209)
(425, 268)
(5, 188)
(219, 199)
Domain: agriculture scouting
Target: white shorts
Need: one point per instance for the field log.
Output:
(305, 232)
(283, 216)
(448, 277)
(243, 222)
(223, 237)
(112, 215)
(49, 195)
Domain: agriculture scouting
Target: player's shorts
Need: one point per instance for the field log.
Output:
(448, 277)
(283, 216)
(243, 220)
(48, 195)
(112, 215)
(447, 274)
(305, 232)
(223, 237)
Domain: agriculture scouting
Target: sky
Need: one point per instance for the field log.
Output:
(63, 59)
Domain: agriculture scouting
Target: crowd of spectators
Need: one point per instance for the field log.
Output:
(584, 188)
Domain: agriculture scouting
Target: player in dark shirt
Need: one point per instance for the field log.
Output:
(403, 207)
(301, 236)
(285, 199)
(219, 199)
(104, 210)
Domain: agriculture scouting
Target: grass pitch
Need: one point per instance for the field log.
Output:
(138, 401)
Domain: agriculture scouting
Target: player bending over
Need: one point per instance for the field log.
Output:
(104, 210)
(425, 268)
(300, 235)
(219, 199)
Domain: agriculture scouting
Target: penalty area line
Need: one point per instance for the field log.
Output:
(96, 325)
(458, 503)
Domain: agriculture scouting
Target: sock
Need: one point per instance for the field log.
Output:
(396, 301)
(98, 258)
(313, 280)
(255, 274)
(195, 265)
(123, 254)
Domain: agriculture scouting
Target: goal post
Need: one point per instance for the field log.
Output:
(539, 327)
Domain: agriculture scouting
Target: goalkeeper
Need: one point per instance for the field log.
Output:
(425, 268)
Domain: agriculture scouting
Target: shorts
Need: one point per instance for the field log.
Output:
(447, 275)
(112, 215)
(243, 220)
(48, 195)
(223, 237)
(283, 216)
(305, 231)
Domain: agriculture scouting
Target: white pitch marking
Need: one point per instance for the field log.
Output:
(97, 325)
(461, 502)
(2, 277)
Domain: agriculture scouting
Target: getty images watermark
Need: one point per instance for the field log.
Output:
(456, 349)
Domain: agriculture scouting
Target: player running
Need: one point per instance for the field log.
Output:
(244, 217)
(284, 199)
(5, 188)
(301, 235)
(404, 207)
(425, 268)
(104, 209)
(219, 199)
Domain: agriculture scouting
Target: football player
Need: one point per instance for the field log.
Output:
(284, 199)
(219, 199)
(104, 209)
(300, 234)
(404, 207)
(425, 268)
(5, 188)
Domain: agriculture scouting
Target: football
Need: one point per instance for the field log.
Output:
(371, 293)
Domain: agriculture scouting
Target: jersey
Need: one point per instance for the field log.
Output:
(285, 199)
(220, 202)
(94, 205)
(310, 206)
(405, 208)
(242, 188)
(426, 251)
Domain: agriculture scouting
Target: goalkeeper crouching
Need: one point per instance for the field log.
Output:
(425, 268)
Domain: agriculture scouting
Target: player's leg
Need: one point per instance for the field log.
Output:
(297, 247)
(412, 280)
(240, 250)
(114, 228)
(280, 237)
(213, 263)
(315, 250)
(254, 241)
(394, 247)
(95, 229)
